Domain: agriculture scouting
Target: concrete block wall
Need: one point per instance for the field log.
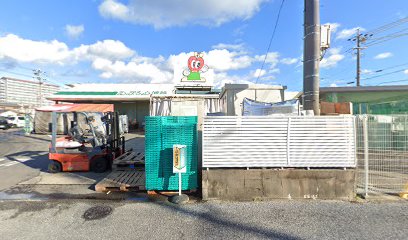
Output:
(259, 184)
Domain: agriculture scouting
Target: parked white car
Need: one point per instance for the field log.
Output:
(16, 121)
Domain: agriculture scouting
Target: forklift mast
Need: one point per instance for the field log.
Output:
(111, 120)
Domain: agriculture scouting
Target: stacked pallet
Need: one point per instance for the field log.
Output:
(161, 134)
(122, 181)
(129, 160)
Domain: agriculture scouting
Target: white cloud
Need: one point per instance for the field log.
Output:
(289, 61)
(110, 49)
(19, 49)
(235, 47)
(24, 50)
(168, 13)
(224, 60)
(406, 71)
(74, 31)
(259, 73)
(333, 26)
(333, 85)
(144, 72)
(347, 33)
(239, 31)
(366, 71)
(332, 58)
(272, 59)
(383, 55)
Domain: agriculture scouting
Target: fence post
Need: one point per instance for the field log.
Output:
(288, 143)
(365, 139)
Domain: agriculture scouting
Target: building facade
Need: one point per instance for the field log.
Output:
(370, 99)
(25, 93)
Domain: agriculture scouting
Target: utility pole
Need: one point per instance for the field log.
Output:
(359, 38)
(311, 56)
(38, 75)
(358, 59)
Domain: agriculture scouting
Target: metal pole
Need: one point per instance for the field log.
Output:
(365, 139)
(179, 183)
(54, 132)
(311, 56)
(358, 58)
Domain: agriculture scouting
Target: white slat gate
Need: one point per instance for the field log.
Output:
(292, 141)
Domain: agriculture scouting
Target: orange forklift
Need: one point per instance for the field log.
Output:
(92, 143)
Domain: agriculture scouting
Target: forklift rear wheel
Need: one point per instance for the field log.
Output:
(54, 167)
(99, 165)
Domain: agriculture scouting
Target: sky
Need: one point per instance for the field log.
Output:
(149, 41)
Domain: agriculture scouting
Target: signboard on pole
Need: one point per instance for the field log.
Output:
(179, 158)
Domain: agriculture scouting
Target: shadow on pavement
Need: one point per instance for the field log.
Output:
(39, 160)
(34, 159)
(216, 218)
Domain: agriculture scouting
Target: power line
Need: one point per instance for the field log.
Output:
(270, 41)
(385, 74)
(388, 26)
(11, 72)
(29, 76)
(395, 66)
(387, 36)
(391, 38)
(403, 80)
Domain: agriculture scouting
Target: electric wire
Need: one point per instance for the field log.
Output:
(271, 39)
(26, 75)
(386, 40)
(385, 74)
(388, 26)
(15, 73)
(403, 80)
(381, 70)
(387, 36)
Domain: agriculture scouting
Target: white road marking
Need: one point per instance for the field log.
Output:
(8, 164)
(22, 158)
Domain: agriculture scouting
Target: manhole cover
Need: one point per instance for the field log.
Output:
(97, 212)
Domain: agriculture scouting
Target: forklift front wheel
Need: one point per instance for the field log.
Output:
(99, 165)
(54, 167)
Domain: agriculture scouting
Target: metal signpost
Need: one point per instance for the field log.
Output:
(179, 162)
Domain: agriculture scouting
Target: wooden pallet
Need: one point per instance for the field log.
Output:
(130, 180)
(128, 160)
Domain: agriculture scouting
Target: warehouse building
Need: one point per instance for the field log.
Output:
(134, 100)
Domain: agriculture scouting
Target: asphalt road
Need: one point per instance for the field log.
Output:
(213, 220)
(21, 157)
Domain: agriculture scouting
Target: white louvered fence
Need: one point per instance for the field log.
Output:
(287, 141)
